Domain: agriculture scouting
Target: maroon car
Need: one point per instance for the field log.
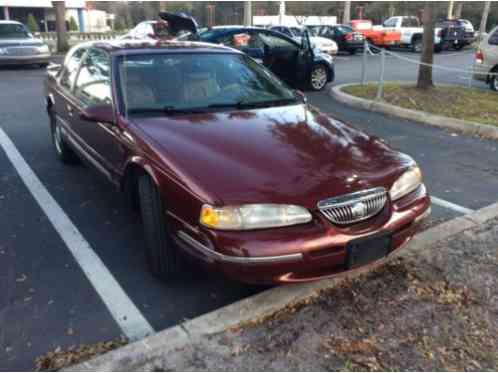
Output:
(229, 166)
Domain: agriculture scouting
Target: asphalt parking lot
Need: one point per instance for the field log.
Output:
(47, 301)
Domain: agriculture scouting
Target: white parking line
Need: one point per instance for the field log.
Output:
(450, 205)
(131, 321)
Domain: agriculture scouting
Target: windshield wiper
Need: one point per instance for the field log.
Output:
(257, 104)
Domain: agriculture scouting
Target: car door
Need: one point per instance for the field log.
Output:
(100, 141)
(283, 56)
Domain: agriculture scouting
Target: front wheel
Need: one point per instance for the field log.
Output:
(160, 250)
(318, 78)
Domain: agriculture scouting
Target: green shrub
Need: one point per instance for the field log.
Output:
(32, 24)
(73, 26)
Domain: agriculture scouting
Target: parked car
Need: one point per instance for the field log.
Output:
(346, 38)
(470, 34)
(411, 31)
(486, 60)
(227, 165)
(452, 34)
(375, 35)
(19, 47)
(324, 45)
(154, 30)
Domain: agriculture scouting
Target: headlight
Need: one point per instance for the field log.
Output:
(406, 183)
(43, 49)
(253, 216)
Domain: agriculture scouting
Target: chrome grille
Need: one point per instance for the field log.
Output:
(354, 207)
(22, 51)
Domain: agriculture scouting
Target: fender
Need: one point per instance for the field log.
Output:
(144, 165)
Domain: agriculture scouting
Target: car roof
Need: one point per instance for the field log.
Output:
(125, 45)
(227, 29)
(4, 22)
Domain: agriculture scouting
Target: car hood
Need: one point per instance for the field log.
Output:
(292, 154)
(20, 42)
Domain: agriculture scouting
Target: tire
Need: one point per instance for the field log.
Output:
(352, 51)
(417, 45)
(438, 48)
(43, 65)
(63, 152)
(318, 78)
(160, 251)
(493, 80)
(459, 46)
(373, 48)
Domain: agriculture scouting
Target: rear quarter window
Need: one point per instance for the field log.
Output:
(493, 39)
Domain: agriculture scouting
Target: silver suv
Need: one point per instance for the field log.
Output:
(18, 46)
(486, 60)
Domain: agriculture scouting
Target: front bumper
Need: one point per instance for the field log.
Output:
(25, 60)
(303, 253)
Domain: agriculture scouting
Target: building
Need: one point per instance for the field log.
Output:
(87, 19)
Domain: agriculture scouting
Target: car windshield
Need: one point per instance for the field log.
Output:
(345, 29)
(177, 83)
(13, 31)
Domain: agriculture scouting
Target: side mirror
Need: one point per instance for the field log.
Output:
(300, 96)
(102, 113)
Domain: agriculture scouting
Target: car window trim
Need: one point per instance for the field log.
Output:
(73, 88)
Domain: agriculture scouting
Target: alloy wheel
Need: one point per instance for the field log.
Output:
(318, 78)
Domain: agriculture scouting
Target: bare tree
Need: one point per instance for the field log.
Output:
(458, 10)
(424, 80)
(484, 18)
(60, 26)
(346, 17)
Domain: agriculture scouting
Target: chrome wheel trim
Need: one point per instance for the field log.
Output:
(58, 138)
(318, 77)
(494, 82)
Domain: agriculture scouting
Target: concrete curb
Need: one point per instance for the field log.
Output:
(458, 125)
(135, 355)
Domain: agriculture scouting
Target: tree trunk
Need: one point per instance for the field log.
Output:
(484, 18)
(450, 9)
(60, 25)
(425, 72)
(458, 10)
(346, 17)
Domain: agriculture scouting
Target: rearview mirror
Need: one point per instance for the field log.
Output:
(102, 113)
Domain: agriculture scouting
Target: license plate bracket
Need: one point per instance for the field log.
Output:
(368, 249)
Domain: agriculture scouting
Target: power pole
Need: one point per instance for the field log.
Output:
(60, 26)
(281, 13)
(484, 19)
(247, 13)
(346, 17)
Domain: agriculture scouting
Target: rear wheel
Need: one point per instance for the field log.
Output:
(160, 250)
(318, 78)
(63, 152)
(458, 46)
(417, 45)
(352, 51)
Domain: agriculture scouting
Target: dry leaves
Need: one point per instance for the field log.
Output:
(59, 358)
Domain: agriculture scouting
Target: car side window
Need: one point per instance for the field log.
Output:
(493, 39)
(71, 68)
(409, 22)
(93, 85)
(274, 41)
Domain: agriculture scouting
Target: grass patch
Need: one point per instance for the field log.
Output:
(469, 104)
